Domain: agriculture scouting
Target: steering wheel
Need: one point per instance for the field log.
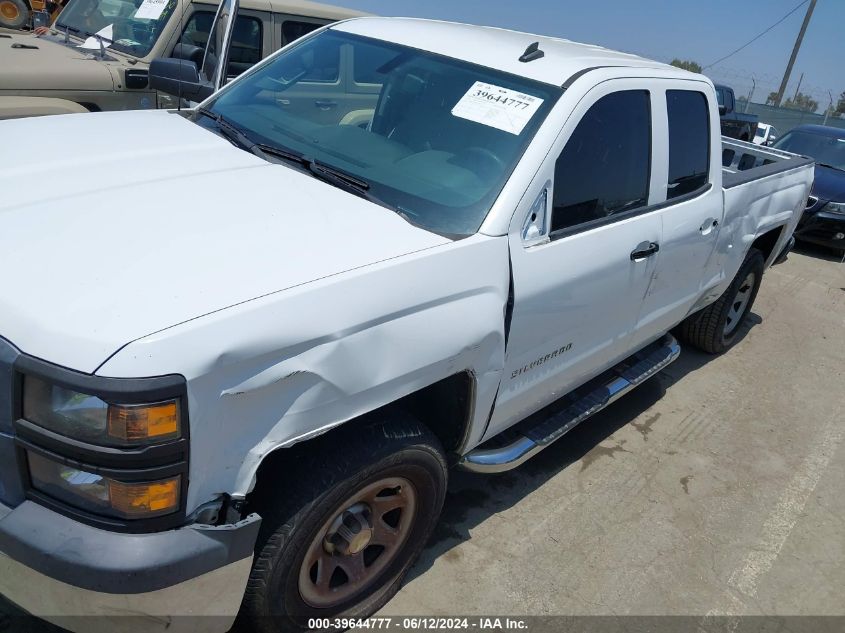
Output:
(481, 160)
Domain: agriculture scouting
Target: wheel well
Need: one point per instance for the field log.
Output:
(766, 242)
(445, 408)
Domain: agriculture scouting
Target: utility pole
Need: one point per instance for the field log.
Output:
(829, 108)
(798, 88)
(751, 92)
(795, 52)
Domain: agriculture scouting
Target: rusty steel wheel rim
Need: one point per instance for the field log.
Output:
(357, 542)
(9, 10)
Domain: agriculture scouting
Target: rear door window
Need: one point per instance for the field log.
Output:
(294, 29)
(689, 141)
(245, 49)
(605, 167)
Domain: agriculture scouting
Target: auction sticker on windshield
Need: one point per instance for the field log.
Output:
(501, 108)
(151, 9)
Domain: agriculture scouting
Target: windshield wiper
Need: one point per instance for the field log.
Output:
(352, 184)
(232, 133)
(326, 173)
(830, 166)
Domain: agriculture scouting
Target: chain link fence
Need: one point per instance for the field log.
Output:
(757, 87)
(784, 119)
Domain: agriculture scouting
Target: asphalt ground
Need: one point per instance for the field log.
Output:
(714, 489)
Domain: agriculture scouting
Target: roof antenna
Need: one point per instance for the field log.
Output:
(531, 53)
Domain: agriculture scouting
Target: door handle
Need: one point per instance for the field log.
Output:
(325, 104)
(708, 225)
(643, 250)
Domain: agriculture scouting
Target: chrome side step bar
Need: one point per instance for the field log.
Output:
(591, 399)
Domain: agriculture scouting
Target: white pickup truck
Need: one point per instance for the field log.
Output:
(241, 345)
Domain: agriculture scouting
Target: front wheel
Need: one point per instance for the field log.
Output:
(13, 13)
(339, 535)
(715, 328)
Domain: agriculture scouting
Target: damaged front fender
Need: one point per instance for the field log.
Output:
(281, 369)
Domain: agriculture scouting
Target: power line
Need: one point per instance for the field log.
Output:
(758, 37)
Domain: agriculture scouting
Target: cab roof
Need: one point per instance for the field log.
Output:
(303, 8)
(498, 48)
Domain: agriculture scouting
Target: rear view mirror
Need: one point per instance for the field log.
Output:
(178, 77)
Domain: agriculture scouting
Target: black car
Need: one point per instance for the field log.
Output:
(823, 221)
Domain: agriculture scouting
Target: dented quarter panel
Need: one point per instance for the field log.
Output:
(752, 209)
(279, 369)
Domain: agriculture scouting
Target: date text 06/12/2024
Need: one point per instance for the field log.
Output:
(419, 623)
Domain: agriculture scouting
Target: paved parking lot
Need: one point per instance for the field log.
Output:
(714, 488)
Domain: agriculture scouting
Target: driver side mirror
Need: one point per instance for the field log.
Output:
(178, 77)
(771, 140)
(723, 110)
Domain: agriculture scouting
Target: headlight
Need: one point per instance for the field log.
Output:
(102, 495)
(89, 419)
(834, 207)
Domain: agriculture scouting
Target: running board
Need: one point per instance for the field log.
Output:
(587, 401)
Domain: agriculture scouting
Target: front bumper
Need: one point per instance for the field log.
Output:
(822, 228)
(74, 574)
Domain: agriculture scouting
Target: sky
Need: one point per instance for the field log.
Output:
(700, 30)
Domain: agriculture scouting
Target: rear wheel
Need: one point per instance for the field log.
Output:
(715, 328)
(338, 541)
(13, 13)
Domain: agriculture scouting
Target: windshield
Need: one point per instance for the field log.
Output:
(432, 137)
(824, 149)
(136, 24)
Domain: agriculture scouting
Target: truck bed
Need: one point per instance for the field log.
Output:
(743, 162)
(764, 190)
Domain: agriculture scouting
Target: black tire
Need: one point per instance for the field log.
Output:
(708, 329)
(295, 516)
(14, 14)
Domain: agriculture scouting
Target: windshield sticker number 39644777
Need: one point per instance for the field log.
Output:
(501, 108)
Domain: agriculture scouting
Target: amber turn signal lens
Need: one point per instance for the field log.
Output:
(133, 423)
(139, 500)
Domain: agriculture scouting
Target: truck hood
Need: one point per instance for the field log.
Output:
(829, 184)
(50, 66)
(116, 225)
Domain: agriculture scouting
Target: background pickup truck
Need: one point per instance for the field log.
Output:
(252, 388)
(735, 124)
